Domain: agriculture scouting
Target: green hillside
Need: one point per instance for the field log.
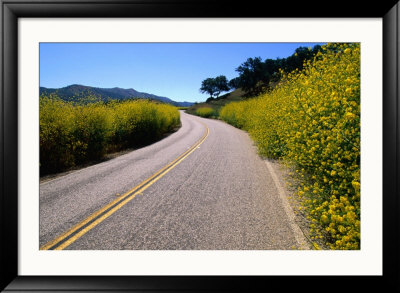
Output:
(217, 103)
(77, 92)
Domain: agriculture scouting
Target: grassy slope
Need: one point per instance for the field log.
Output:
(217, 104)
(234, 96)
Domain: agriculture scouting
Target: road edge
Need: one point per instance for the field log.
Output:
(303, 243)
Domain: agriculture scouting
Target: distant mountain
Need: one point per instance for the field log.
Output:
(76, 91)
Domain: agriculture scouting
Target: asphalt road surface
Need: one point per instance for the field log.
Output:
(203, 187)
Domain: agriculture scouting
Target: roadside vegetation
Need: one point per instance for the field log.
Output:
(206, 112)
(311, 122)
(74, 133)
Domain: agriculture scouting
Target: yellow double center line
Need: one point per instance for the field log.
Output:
(96, 218)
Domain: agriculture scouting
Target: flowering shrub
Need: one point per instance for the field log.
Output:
(205, 112)
(71, 134)
(312, 120)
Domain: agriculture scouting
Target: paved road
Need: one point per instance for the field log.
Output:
(218, 195)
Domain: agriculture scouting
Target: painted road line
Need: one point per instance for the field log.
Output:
(50, 244)
(105, 215)
(93, 220)
(298, 234)
(113, 203)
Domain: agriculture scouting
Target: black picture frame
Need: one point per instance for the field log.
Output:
(13, 9)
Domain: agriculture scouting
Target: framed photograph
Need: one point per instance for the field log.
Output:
(199, 146)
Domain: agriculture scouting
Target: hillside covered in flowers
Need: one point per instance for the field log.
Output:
(311, 122)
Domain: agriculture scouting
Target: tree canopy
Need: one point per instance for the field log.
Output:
(214, 86)
(255, 75)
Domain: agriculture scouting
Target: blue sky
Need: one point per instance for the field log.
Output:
(173, 70)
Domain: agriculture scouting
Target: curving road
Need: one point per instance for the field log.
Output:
(212, 191)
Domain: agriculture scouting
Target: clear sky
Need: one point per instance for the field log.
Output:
(173, 70)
